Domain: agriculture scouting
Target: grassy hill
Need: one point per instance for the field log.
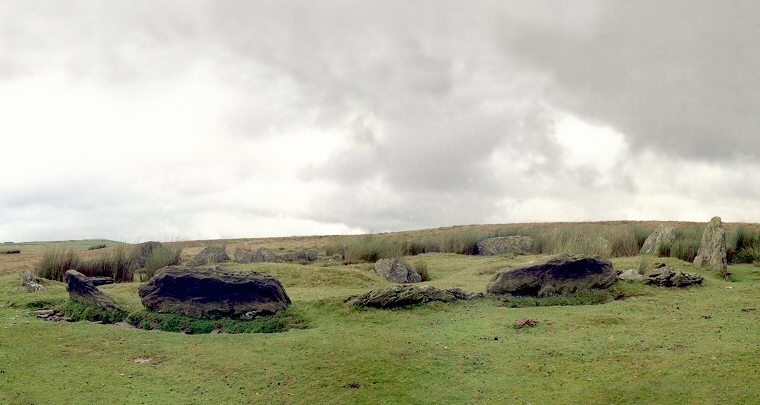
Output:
(659, 345)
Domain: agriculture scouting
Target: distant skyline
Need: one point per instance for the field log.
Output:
(160, 120)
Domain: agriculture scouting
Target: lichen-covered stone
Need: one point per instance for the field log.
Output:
(209, 255)
(560, 275)
(397, 271)
(213, 293)
(144, 250)
(31, 282)
(664, 234)
(494, 246)
(712, 248)
(405, 295)
(308, 255)
(260, 255)
(666, 276)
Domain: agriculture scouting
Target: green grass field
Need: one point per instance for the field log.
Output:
(667, 346)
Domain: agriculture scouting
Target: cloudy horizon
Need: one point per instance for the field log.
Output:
(163, 120)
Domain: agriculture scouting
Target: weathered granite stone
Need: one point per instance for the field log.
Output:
(31, 282)
(81, 290)
(494, 246)
(405, 295)
(209, 255)
(144, 251)
(257, 256)
(213, 293)
(664, 234)
(712, 248)
(309, 255)
(666, 276)
(397, 271)
(560, 275)
(630, 275)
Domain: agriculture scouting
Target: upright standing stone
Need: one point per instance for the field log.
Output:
(209, 255)
(664, 234)
(712, 248)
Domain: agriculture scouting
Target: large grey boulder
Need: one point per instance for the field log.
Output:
(494, 246)
(664, 234)
(144, 250)
(712, 248)
(209, 255)
(405, 295)
(82, 290)
(260, 255)
(666, 276)
(397, 271)
(31, 282)
(308, 255)
(560, 275)
(213, 293)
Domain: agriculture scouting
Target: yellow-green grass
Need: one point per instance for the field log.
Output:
(668, 346)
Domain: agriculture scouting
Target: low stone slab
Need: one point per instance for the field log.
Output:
(494, 246)
(213, 293)
(260, 255)
(96, 281)
(560, 275)
(397, 271)
(630, 275)
(31, 282)
(308, 255)
(667, 276)
(82, 290)
(405, 295)
(209, 255)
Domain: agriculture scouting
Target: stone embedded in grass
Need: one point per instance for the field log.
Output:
(209, 255)
(82, 290)
(494, 246)
(308, 255)
(560, 275)
(712, 248)
(630, 275)
(405, 295)
(31, 282)
(257, 256)
(397, 271)
(520, 323)
(665, 234)
(666, 276)
(213, 293)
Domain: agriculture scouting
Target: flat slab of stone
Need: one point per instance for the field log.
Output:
(667, 276)
(308, 255)
(260, 255)
(209, 255)
(213, 293)
(82, 290)
(664, 234)
(494, 246)
(406, 295)
(560, 275)
(397, 271)
(96, 281)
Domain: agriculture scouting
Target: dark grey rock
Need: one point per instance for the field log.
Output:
(405, 295)
(257, 256)
(664, 234)
(31, 282)
(209, 255)
(560, 275)
(494, 246)
(81, 290)
(96, 281)
(308, 255)
(666, 276)
(213, 293)
(144, 250)
(397, 271)
(712, 248)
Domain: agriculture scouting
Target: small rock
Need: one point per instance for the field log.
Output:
(666, 276)
(397, 271)
(31, 282)
(525, 322)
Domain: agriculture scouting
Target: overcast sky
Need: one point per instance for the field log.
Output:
(159, 120)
